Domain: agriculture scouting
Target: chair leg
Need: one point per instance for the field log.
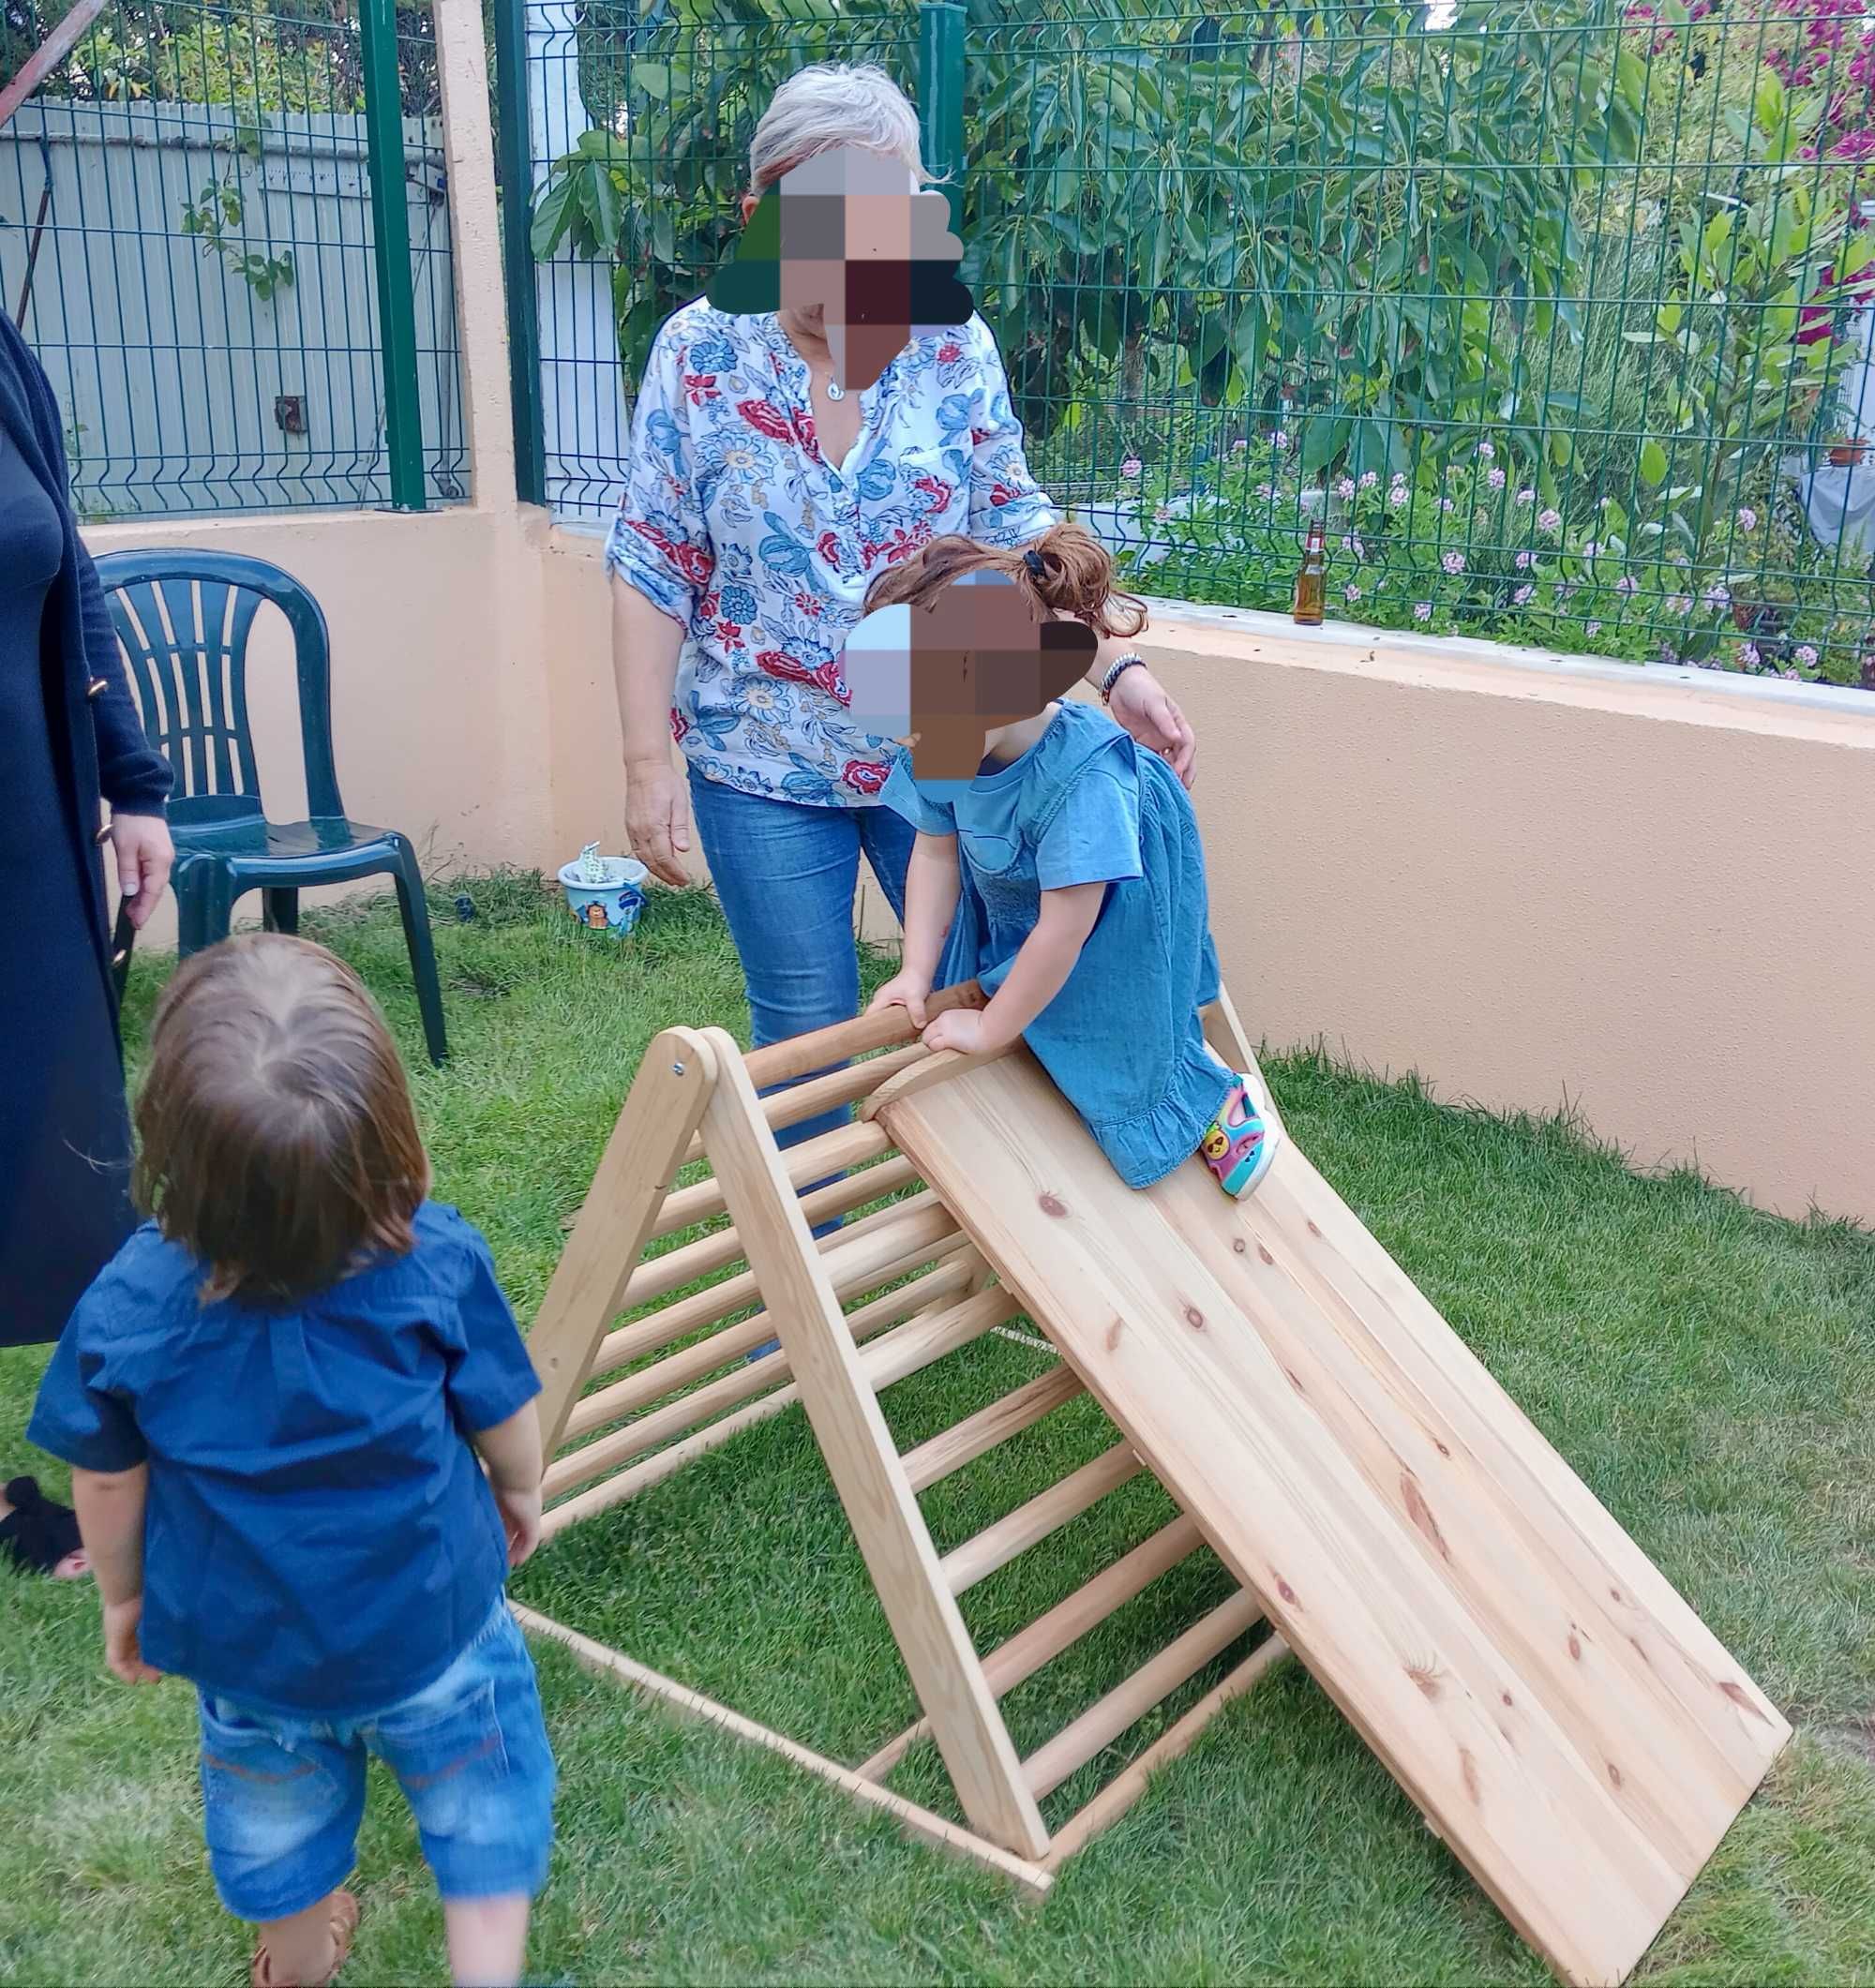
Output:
(280, 910)
(411, 903)
(205, 893)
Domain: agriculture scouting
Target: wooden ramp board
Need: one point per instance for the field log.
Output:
(1557, 1711)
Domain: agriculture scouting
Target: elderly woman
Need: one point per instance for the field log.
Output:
(763, 496)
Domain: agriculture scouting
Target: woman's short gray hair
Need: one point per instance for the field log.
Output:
(829, 104)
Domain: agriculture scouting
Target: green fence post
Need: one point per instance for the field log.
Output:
(514, 167)
(941, 96)
(391, 250)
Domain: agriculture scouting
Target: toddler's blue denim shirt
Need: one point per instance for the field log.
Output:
(318, 1538)
(1122, 1040)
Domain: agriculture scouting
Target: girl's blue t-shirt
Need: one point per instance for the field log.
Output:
(319, 1537)
(1090, 837)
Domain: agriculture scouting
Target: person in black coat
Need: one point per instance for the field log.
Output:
(71, 740)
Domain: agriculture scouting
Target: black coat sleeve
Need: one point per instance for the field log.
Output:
(133, 775)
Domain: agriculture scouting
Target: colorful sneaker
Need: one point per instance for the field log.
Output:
(1238, 1145)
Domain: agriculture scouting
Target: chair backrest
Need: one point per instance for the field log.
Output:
(183, 621)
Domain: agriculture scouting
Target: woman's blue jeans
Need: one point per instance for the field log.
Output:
(785, 875)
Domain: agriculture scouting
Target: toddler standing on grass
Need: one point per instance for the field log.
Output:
(272, 1400)
(1067, 879)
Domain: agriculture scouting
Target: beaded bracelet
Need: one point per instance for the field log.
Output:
(1120, 665)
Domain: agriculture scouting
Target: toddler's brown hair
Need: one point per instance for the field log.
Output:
(1066, 571)
(279, 1142)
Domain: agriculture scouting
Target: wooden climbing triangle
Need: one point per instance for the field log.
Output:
(1558, 1713)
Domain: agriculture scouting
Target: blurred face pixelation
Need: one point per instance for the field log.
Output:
(848, 242)
(950, 674)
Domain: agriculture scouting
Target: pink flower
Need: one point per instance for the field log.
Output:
(1280, 441)
(1806, 657)
(1592, 628)
(1369, 478)
(1791, 676)
(1525, 560)
(1454, 563)
(1422, 610)
(1130, 468)
(1344, 489)
(1548, 520)
(1680, 604)
(1523, 596)
(1748, 519)
(1718, 598)
(1748, 656)
(1446, 504)
(1486, 453)
(1526, 497)
(1239, 446)
(1626, 584)
(1498, 479)
(1397, 496)
(1593, 549)
(1351, 593)
(1265, 491)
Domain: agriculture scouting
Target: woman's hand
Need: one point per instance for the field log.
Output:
(658, 819)
(908, 991)
(1142, 707)
(145, 854)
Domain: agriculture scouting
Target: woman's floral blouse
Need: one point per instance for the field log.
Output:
(734, 524)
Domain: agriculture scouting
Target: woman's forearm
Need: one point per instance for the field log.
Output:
(1041, 969)
(932, 885)
(110, 1508)
(646, 644)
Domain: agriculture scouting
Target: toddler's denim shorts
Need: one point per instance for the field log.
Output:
(282, 1797)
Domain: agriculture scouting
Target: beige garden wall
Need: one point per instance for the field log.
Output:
(1644, 892)
(1647, 892)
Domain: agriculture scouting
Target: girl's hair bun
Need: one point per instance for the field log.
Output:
(1066, 570)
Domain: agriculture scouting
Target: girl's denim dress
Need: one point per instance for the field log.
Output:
(1122, 1040)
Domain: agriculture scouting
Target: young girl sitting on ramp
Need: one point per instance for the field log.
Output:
(1057, 863)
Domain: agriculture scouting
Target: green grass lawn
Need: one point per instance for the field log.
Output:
(1705, 1368)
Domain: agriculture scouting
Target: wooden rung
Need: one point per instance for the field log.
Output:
(679, 1369)
(1104, 1721)
(662, 1275)
(782, 1061)
(755, 1377)
(926, 1297)
(996, 1546)
(865, 1269)
(1014, 1662)
(967, 1439)
(921, 1343)
(817, 1159)
(918, 1217)
(821, 1093)
(1129, 1785)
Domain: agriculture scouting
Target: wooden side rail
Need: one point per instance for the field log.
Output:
(965, 1442)
(847, 1145)
(781, 1062)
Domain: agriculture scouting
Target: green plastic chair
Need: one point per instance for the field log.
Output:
(183, 619)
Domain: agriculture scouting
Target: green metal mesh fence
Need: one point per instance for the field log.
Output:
(185, 239)
(1557, 312)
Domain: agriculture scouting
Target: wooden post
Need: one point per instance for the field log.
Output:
(864, 1466)
(674, 1083)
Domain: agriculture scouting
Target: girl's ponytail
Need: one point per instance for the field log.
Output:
(1066, 570)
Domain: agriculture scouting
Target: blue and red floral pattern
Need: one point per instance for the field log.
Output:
(734, 524)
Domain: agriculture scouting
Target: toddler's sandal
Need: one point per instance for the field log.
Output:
(1239, 1143)
(342, 1918)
